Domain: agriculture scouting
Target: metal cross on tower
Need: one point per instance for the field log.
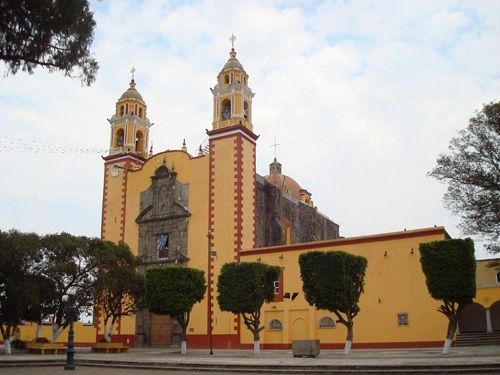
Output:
(275, 145)
(232, 39)
(132, 71)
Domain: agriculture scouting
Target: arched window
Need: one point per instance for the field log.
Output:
(139, 142)
(275, 324)
(122, 110)
(326, 322)
(226, 79)
(246, 109)
(119, 138)
(226, 109)
(140, 112)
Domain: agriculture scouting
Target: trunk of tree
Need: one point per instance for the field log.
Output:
(6, 338)
(450, 335)
(56, 332)
(38, 330)
(183, 322)
(256, 347)
(108, 333)
(8, 347)
(348, 340)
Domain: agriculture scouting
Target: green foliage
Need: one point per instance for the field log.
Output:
(472, 171)
(20, 287)
(119, 287)
(70, 262)
(52, 34)
(333, 280)
(244, 287)
(173, 291)
(450, 269)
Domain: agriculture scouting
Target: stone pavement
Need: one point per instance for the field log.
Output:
(484, 359)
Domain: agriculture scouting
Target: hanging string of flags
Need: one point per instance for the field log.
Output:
(12, 144)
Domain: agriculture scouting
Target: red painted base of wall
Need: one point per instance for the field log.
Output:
(232, 342)
(128, 340)
(218, 342)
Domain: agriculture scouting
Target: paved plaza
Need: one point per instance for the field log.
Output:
(138, 361)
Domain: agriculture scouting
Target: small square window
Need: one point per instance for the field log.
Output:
(402, 319)
(162, 246)
(498, 277)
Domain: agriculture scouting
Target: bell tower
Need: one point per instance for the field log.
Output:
(129, 124)
(128, 150)
(232, 146)
(232, 96)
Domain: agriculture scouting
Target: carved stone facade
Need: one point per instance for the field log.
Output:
(163, 223)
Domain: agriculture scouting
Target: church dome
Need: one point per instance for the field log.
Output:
(131, 92)
(233, 62)
(281, 181)
(285, 184)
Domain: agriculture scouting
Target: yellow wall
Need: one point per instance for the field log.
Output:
(393, 284)
(84, 333)
(488, 290)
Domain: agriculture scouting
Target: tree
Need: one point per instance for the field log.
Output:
(243, 288)
(19, 256)
(472, 172)
(334, 281)
(70, 262)
(52, 34)
(450, 270)
(173, 291)
(119, 288)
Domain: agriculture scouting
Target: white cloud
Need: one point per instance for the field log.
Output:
(361, 95)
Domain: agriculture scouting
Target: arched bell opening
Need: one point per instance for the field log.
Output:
(226, 109)
(119, 138)
(139, 142)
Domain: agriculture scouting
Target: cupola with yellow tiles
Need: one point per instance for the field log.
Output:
(232, 96)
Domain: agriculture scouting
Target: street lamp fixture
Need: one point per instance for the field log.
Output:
(71, 312)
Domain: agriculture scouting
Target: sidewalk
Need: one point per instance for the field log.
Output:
(484, 359)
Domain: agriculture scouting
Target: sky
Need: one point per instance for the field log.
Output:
(361, 96)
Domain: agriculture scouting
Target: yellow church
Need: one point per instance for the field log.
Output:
(204, 210)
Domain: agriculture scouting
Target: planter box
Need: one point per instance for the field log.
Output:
(109, 347)
(46, 348)
(305, 348)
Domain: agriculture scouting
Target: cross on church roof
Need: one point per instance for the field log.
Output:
(132, 71)
(275, 145)
(232, 39)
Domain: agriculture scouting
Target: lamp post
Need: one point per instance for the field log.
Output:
(71, 312)
(209, 294)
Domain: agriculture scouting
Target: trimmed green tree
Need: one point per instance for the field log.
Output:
(173, 291)
(119, 287)
(55, 35)
(334, 281)
(450, 270)
(243, 288)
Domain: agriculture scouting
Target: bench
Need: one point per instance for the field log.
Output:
(46, 348)
(109, 347)
(305, 348)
